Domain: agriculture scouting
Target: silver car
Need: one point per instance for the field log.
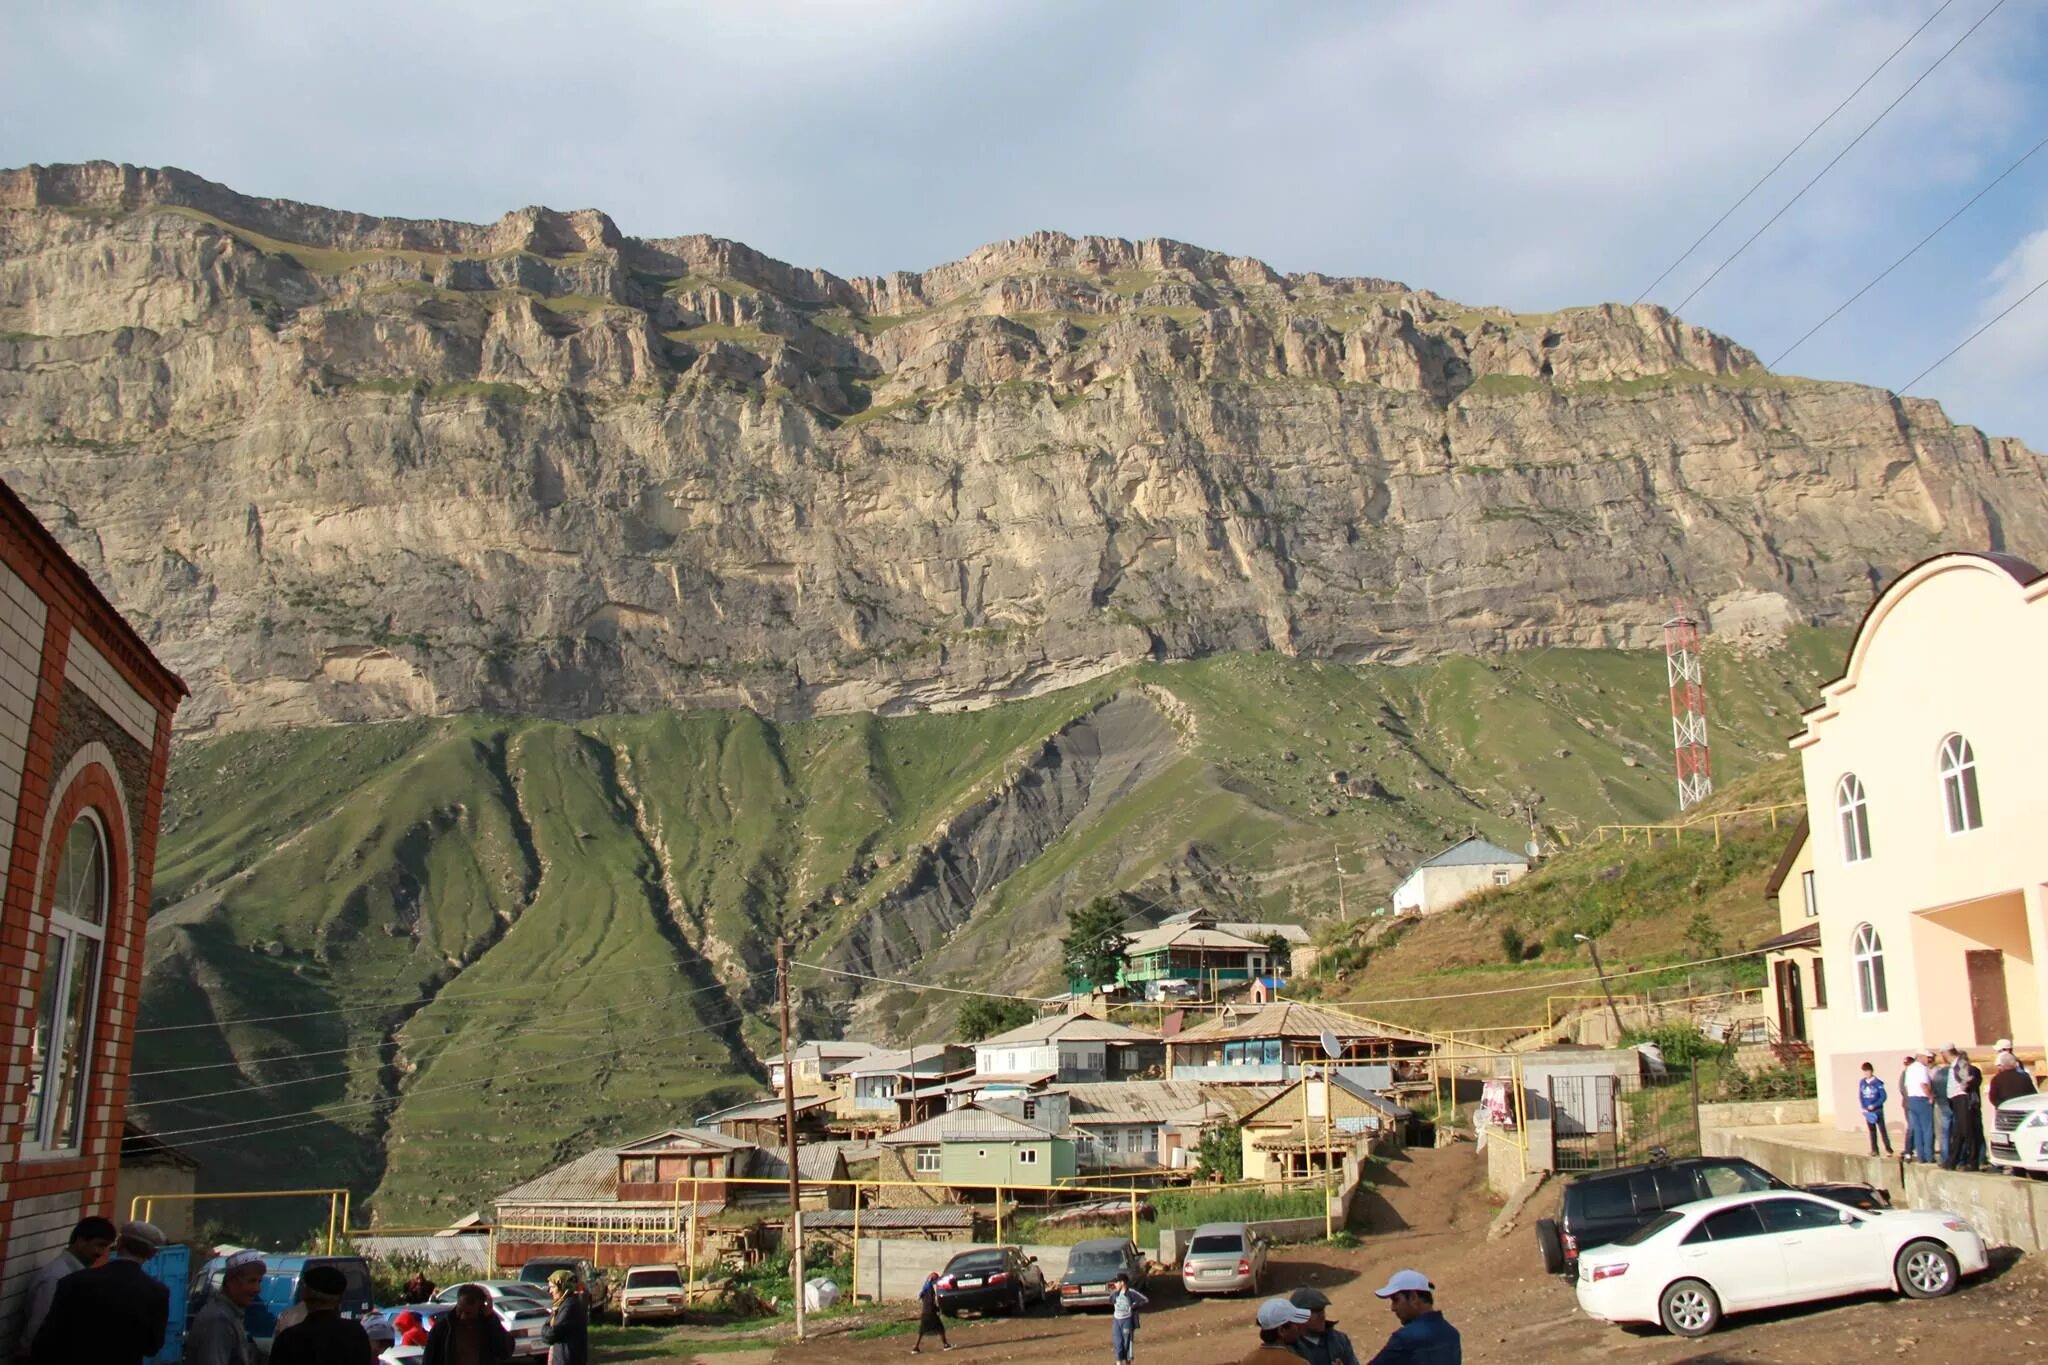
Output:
(1224, 1258)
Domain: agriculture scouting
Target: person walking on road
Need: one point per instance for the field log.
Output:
(112, 1314)
(1870, 1095)
(471, 1335)
(1423, 1338)
(1280, 1324)
(1123, 1319)
(87, 1248)
(928, 1319)
(1918, 1086)
(1966, 1112)
(1320, 1342)
(324, 1336)
(568, 1331)
(218, 1334)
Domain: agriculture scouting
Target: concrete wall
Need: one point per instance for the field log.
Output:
(474, 1252)
(1430, 889)
(1756, 1113)
(895, 1267)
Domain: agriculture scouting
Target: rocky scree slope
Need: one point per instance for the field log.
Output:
(339, 467)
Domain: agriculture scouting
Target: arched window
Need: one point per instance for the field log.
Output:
(1855, 813)
(1870, 992)
(1959, 785)
(69, 988)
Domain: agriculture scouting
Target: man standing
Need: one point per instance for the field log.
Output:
(1280, 1324)
(112, 1314)
(324, 1337)
(87, 1248)
(471, 1335)
(218, 1334)
(1123, 1319)
(1966, 1112)
(1918, 1084)
(1320, 1342)
(2011, 1082)
(1870, 1096)
(1423, 1338)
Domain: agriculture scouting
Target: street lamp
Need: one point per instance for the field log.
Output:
(1594, 948)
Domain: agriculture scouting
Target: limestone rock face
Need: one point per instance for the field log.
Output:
(339, 467)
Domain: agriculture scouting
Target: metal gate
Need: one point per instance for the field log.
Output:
(1598, 1121)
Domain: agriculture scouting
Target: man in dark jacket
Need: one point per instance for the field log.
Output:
(1966, 1113)
(112, 1314)
(324, 1337)
(1320, 1343)
(1423, 1338)
(471, 1335)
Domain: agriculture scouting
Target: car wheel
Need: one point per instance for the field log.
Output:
(1689, 1308)
(1925, 1270)
(1551, 1244)
(1017, 1305)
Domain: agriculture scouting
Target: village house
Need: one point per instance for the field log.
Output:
(1793, 967)
(814, 1063)
(979, 1146)
(85, 736)
(1267, 1044)
(1066, 1047)
(1190, 959)
(1922, 765)
(761, 1121)
(1313, 1124)
(865, 1097)
(1140, 1125)
(1468, 866)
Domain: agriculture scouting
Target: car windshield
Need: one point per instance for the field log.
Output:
(1217, 1244)
(976, 1263)
(653, 1279)
(1648, 1230)
(1737, 1179)
(1094, 1264)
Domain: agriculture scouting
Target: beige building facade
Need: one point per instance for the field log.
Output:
(1795, 973)
(1923, 769)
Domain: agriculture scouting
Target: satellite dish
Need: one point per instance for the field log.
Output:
(1331, 1047)
(1533, 849)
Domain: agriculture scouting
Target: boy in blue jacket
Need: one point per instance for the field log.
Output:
(1870, 1094)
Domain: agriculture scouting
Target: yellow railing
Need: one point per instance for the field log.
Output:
(143, 1205)
(1677, 829)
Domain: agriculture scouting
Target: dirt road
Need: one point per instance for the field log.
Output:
(1431, 1214)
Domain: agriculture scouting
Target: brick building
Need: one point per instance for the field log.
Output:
(85, 734)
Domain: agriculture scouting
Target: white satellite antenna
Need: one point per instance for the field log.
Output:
(1331, 1047)
(1533, 849)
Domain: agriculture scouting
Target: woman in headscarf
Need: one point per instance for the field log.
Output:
(568, 1331)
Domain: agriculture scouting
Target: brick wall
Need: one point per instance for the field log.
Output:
(85, 720)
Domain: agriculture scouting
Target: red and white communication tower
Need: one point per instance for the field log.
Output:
(1688, 709)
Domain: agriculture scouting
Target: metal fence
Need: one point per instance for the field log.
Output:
(1599, 1121)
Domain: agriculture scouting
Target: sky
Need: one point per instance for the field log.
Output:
(1531, 156)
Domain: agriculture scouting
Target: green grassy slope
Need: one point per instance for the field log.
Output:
(509, 939)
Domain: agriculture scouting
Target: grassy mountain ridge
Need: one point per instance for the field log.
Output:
(506, 939)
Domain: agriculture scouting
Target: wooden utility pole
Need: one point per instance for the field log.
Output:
(796, 1213)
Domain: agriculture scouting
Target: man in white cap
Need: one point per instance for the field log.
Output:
(1423, 1338)
(112, 1314)
(1280, 1324)
(218, 1334)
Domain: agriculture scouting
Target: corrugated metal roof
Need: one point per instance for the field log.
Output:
(968, 1123)
(1092, 1102)
(1188, 936)
(1291, 933)
(828, 1050)
(1475, 852)
(814, 1161)
(758, 1110)
(592, 1178)
(1239, 1100)
(683, 1139)
(1081, 1027)
(1289, 1019)
(942, 1216)
(898, 1061)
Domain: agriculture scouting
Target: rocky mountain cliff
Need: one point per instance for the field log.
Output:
(339, 467)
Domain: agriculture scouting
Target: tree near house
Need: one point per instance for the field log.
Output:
(1093, 950)
(1220, 1153)
(984, 1016)
(1279, 955)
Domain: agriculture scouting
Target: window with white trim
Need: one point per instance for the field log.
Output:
(1870, 990)
(1806, 890)
(1027, 1156)
(59, 1065)
(927, 1160)
(1959, 785)
(1501, 876)
(1854, 811)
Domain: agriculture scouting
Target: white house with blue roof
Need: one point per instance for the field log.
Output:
(1465, 867)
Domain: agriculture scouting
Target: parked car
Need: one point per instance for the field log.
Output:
(990, 1279)
(522, 1307)
(1690, 1265)
(596, 1285)
(281, 1278)
(1224, 1258)
(1092, 1265)
(650, 1292)
(2018, 1139)
(1604, 1206)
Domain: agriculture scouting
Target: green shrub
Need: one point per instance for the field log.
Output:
(1681, 1044)
(1771, 1083)
(1511, 943)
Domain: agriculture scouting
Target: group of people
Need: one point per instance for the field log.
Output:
(1293, 1329)
(96, 1301)
(1943, 1096)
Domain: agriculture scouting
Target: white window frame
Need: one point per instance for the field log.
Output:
(1027, 1156)
(1500, 876)
(1960, 802)
(1872, 995)
(1812, 897)
(64, 936)
(925, 1160)
(1852, 810)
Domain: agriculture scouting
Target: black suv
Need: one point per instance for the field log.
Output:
(1605, 1206)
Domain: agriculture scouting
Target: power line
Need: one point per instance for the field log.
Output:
(916, 985)
(1810, 135)
(1973, 336)
(1769, 222)
(1779, 358)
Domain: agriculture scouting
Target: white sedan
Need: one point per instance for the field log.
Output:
(1691, 1264)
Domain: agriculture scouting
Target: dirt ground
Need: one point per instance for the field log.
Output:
(1431, 1214)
